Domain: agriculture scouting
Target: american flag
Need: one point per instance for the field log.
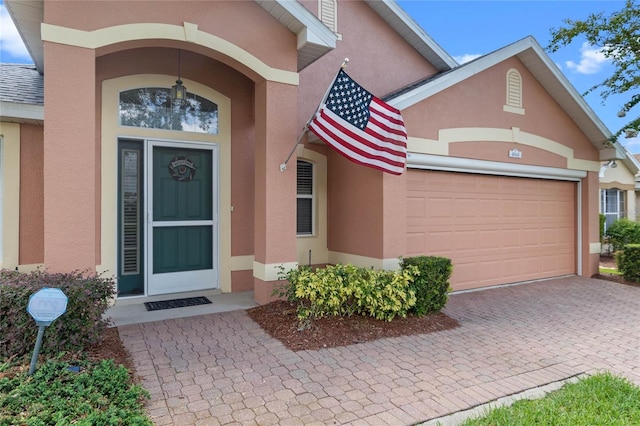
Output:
(361, 127)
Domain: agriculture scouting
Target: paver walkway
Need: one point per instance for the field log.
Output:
(224, 369)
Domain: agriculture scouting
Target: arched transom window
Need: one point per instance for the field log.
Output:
(151, 107)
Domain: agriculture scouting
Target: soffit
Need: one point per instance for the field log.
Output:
(314, 38)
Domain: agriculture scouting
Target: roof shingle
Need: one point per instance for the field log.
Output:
(21, 84)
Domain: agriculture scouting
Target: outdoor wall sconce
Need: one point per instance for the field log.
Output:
(178, 91)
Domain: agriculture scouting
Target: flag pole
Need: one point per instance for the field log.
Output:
(283, 166)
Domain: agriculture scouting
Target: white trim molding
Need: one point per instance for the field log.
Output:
(513, 135)
(468, 165)
(271, 271)
(10, 181)
(241, 263)
(390, 264)
(148, 31)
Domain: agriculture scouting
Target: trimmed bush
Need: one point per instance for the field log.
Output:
(78, 328)
(603, 219)
(628, 262)
(623, 232)
(348, 290)
(100, 394)
(431, 285)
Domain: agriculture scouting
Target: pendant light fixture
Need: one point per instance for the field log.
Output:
(178, 91)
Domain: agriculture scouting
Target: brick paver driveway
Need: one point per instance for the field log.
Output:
(223, 369)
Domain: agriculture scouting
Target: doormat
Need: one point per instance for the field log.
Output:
(176, 303)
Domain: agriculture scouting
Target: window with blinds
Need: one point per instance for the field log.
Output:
(304, 217)
(130, 204)
(612, 205)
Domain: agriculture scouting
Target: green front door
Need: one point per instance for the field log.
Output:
(181, 218)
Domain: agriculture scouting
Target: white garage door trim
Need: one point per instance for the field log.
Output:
(468, 165)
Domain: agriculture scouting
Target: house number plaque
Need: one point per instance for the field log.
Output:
(182, 169)
(515, 153)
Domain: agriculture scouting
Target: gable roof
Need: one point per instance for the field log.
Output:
(21, 94)
(632, 163)
(534, 58)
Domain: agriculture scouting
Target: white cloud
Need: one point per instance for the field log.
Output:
(591, 60)
(631, 144)
(10, 41)
(467, 57)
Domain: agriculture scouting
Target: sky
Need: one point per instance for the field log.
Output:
(468, 29)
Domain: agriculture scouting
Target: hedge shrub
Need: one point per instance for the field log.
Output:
(349, 290)
(78, 328)
(431, 285)
(628, 261)
(623, 232)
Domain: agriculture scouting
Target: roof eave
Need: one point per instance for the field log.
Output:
(27, 16)
(314, 39)
(21, 113)
(408, 29)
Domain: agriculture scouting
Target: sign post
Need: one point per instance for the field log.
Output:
(45, 305)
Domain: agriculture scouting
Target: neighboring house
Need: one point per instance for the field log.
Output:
(618, 181)
(502, 171)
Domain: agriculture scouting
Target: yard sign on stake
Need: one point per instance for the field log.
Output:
(45, 305)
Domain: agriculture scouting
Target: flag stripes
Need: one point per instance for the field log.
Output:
(361, 127)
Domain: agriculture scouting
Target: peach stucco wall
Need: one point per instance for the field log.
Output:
(493, 151)
(379, 59)
(220, 18)
(355, 215)
(362, 202)
(70, 159)
(590, 223)
(31, 194)
(478, 102)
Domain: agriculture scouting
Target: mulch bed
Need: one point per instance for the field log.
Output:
(280, 321)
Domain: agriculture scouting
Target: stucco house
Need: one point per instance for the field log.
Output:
(108, 174)
(619, 186)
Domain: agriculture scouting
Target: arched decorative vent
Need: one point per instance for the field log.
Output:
(514, 92)
(328, 13)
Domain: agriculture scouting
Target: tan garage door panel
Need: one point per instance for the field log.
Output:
(496, 229)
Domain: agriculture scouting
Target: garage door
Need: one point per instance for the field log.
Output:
(495, 229)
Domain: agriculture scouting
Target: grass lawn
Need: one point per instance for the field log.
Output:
(613, 271)
(602, 399)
